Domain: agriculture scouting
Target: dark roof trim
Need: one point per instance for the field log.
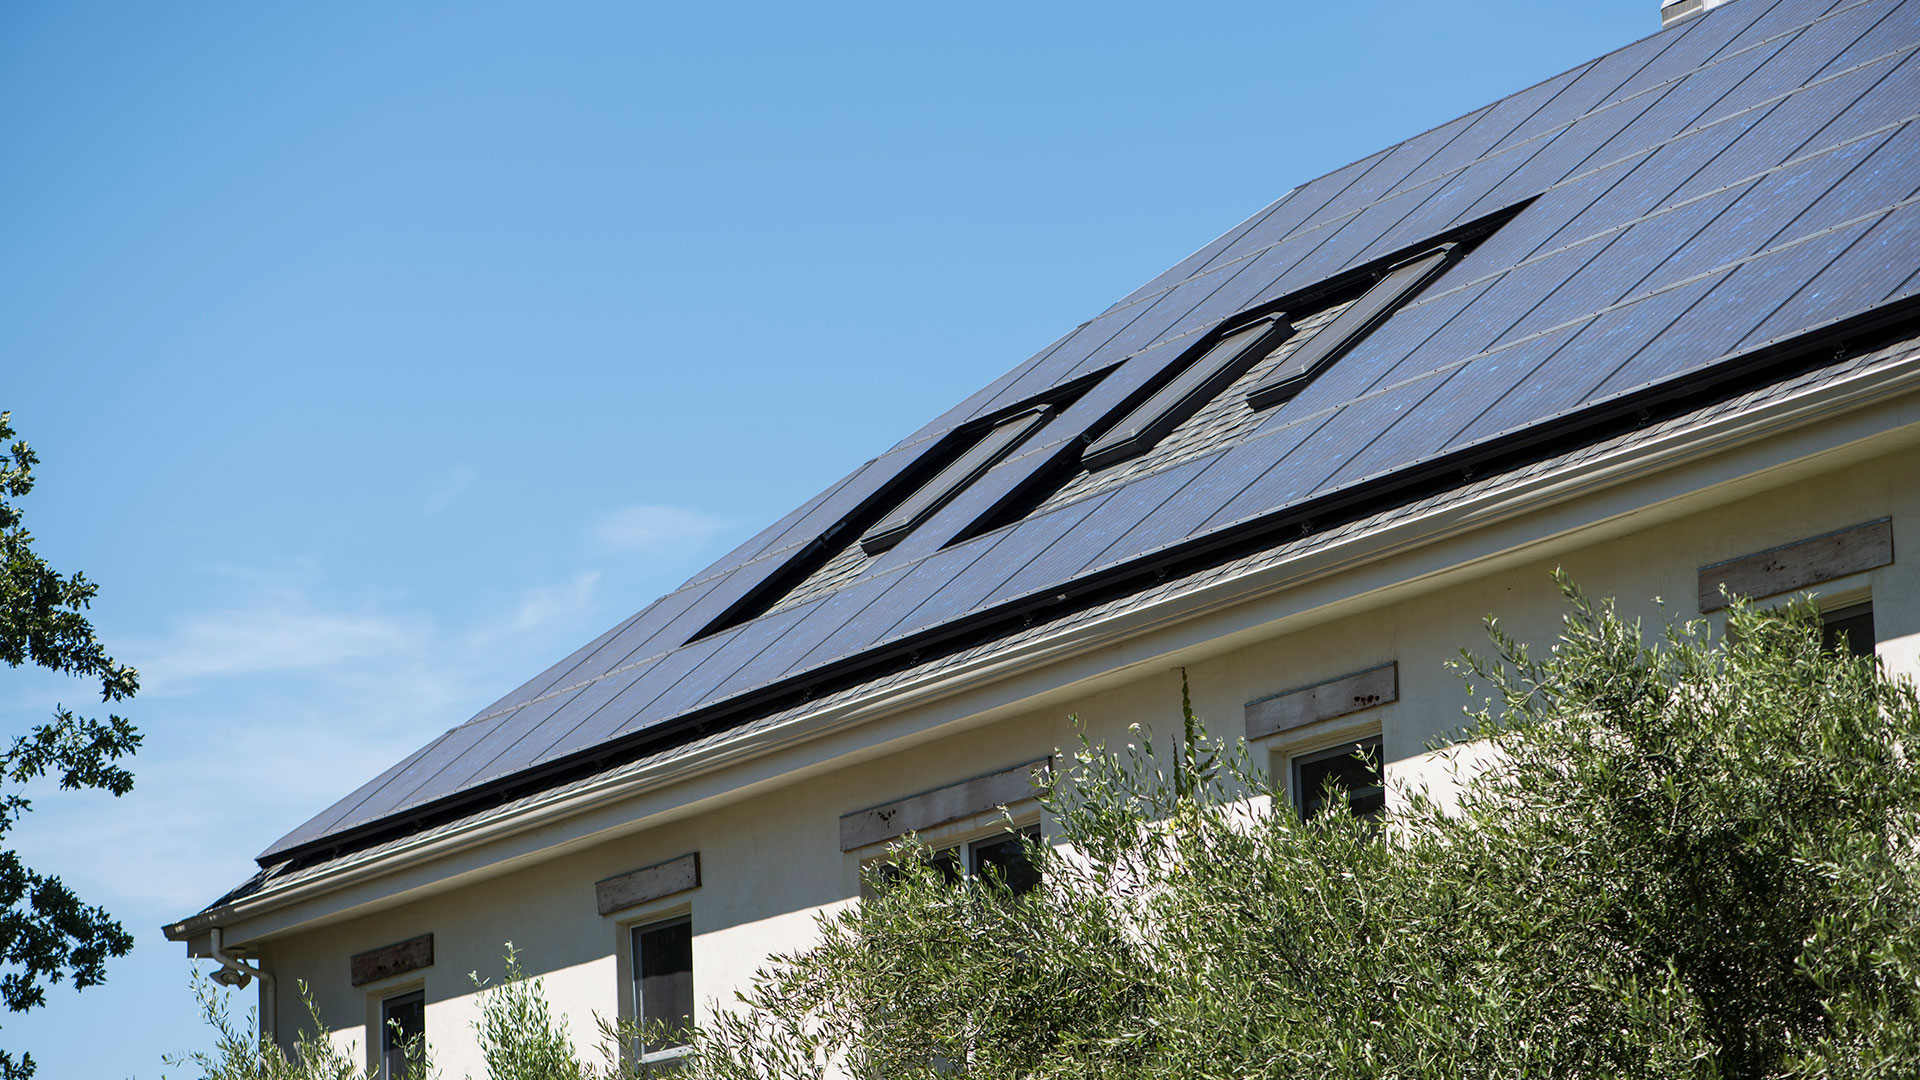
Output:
(1737, 374)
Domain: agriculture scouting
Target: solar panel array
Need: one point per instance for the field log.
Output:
(1737, 180)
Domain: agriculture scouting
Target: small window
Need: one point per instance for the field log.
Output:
(1200, 382)
(1353, 768)
(997, 443)
(1848, 629)
(1001, 857)
(403, 1034)
(1394, 288)
(1004, 859)
(663, 987)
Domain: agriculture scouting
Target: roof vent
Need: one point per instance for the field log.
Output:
(1673, 11)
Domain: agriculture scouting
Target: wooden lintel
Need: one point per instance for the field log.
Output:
(389, 960)
(1799, 564)
(1323, 700)
(623, 891)
(918, 813)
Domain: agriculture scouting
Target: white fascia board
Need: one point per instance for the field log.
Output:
(1583, 502)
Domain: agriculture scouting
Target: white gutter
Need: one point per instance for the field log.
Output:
(237, 973)
(1468, 515)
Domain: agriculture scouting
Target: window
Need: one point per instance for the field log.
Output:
(403, 1032)
(1200, 382)
(1849, 629)
(663, 987)
(998, 442)
(1001, 857)
(1352, 768)
(1395, 287)
(1004, 859)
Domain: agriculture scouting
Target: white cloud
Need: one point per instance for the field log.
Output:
(449, 487)
(547, 603)
(258, 714)
(280, 633)
(654, 529)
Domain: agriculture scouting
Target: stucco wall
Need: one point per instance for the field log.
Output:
(771, 860)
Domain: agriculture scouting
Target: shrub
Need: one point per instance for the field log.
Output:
(1695, 858)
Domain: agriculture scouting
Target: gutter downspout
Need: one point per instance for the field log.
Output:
(237, 973)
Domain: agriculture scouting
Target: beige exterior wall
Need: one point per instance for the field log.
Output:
(767, 834)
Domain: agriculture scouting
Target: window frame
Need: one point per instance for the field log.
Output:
(385, 1002)
(1206, 373)
(630, 934)
(1395, 286)
(961, 837)
(1299, 794)
(1316, 742)
(994, 445)
(1831, 617)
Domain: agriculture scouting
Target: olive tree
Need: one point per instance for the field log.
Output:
(1695, 857)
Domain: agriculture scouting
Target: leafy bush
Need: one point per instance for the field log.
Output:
(1695, 858)
(239, 1054)
(519, 1038)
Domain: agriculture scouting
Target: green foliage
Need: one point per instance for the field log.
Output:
(46, 933)
(1695, 857)
(238, 1054)
(521, 1039)
(519, 1035)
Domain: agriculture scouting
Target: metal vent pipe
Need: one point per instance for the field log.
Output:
(1673, 11)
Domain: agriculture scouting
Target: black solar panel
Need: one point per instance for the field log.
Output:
(1738, 180)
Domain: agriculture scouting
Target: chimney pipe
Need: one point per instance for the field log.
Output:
(1673, 11)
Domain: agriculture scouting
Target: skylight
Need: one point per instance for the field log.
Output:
(1203, 379)
(1395, 286)
(950, 481)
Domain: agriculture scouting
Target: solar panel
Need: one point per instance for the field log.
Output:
(1698, 45)
(1395, 286)
(1890, 174)
(1461, 393)
(1011, 552)
(964, 470)
(1897, 29)
(1596, 86)
(1491, 129)
(1466, 197)
(1200, 382)
(1784, 17)
(579, 726)
(1856, 279)
(1652, 179)
(1287, 218)
(1601, 344)
(1404, 345)
(1108, 522)
(1726, 316)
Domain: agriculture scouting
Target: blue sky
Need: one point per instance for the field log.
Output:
(379, 354)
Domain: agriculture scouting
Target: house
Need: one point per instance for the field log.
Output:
(1653, 320)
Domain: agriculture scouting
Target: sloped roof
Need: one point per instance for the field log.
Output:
(1667, 219)
(1897, 355)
